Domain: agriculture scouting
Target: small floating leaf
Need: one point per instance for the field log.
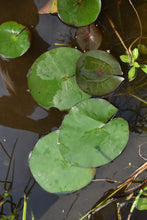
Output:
(52, 172)
(79, 12)
(87, 137)
(50, 7)
(52, 81)
(14, 39)
(98, 73)
(89, 37)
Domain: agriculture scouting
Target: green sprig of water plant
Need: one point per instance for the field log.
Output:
(132, 55)
(133, 63)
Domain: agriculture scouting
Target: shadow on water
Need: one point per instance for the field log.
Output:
(22, 118)
(16, 103)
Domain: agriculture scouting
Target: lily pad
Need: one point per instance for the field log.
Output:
(88, 137)
(98, 73)
(79, 12)
(49, 7)
(14, 39)
(89, 37)
(52, 81)
(52, 172)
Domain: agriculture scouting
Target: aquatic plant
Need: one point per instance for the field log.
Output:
(90, 135)
(133, 62)
(123, 190)
(65, 78)
(14, 39)
(79, 12)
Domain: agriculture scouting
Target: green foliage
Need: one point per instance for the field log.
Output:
(132, 73)
(87, 137)
(125, 58)
(61, 161)
(14, 39)
(135, 54)
(144, 68)
(52, 171)
(52, 81)
(133, 63)
(79, 12)
(142, 49)
(24, 208)
(98, 73)
(141, 203)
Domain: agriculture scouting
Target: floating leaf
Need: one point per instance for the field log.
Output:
(52, 81)
(98, 73)
(50, 7)
(14, 39)
(52, 172)
(89, 37)
(79, 12)
(87, 137)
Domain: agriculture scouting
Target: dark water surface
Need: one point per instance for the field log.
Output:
(23, 120)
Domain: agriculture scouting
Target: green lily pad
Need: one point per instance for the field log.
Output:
(79, 12)
(52, 172)
(52, 81)
(88, 138)
(98, 73)
(14, 39)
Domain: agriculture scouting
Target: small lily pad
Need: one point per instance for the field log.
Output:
(88, 138)
(52, 81)
(14, 39)
(89, 37)
(52, 172)
(98, 72)
(49, 7)
(79, 12)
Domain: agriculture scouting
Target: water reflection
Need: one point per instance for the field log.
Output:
(130, 101)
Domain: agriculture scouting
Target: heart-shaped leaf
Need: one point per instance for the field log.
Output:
(52, 172)
(14, 39)
(87, 137)
(98, 73)
(52, 81)
(79, 12)
(89, 37)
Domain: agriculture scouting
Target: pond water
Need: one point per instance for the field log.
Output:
(23, 122)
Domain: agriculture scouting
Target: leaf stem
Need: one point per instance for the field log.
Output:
(120, 38)
(140, 25)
